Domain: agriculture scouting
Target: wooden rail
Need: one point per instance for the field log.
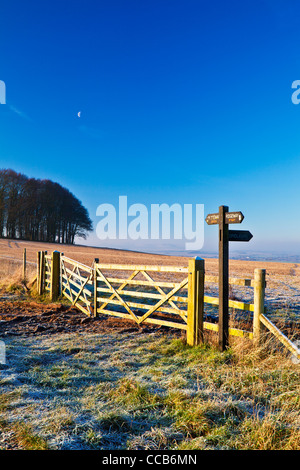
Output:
(132, 295)
(171, 296)
(76, 278)
(280, 336)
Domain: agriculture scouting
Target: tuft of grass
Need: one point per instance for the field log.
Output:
(11, 276)
(272, 432)
(26, 439)
(7, 399)
(131, 392)
(115, 422)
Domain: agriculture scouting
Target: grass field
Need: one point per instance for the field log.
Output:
(135, 388)
(12, 250)
(145, 391)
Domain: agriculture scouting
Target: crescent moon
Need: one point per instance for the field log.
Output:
(78, 114)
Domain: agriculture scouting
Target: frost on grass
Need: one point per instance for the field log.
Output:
(143, 391)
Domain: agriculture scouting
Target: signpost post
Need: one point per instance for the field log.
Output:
(223, 218)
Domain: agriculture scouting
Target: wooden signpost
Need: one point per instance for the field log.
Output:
(223, 218)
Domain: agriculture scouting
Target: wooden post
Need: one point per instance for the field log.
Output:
(55, 276)
(41, 273)
(195, 302)
(259, 301)
(38, 267)
(96, 260)
(24, 264)
(223, 280)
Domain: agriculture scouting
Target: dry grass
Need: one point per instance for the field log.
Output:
(13, 249)
(11, 275)
(133, 391)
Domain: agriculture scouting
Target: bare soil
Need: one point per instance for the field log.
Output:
(21, 317)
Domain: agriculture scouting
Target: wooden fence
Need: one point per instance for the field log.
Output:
(163, 295)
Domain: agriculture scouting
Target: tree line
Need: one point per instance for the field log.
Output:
(40, 210)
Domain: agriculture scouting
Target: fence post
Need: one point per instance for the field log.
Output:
(259, 301)
(55, 276)
(24, 264)
(195, 302)
(38, 264)
(96, 260)
(41, 274)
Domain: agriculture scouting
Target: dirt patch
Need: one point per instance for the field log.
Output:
(25, 318)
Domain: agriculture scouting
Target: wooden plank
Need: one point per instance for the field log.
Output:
(146, 295)
(63, 268)
(76, 293)
(80, 291)
(232, 331)
(116, 293)
(74, 281)
(84, 267)
(240, 282)
(241, 305)
(104, 279)
(148, 320)
(168, 296)
(210, 326)
(240, 333)
(172, 310)
(211, 300)
(38, 271)
(84, 310)
(143, 282)
(42, 273)
(77, 305)
(171, 301)
(95, 282)
(131, 267)
(232, 280)
(231, 303)
(74, 284)
(77, 276)
(280, 336)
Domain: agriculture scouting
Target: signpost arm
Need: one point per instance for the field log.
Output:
(223, 279)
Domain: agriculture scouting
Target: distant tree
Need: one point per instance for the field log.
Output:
(40, 210)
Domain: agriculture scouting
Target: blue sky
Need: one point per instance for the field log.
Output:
(181, 102)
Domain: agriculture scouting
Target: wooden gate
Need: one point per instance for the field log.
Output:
(47, 273)
(77, 284)
(165, 295)
(131, 292)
